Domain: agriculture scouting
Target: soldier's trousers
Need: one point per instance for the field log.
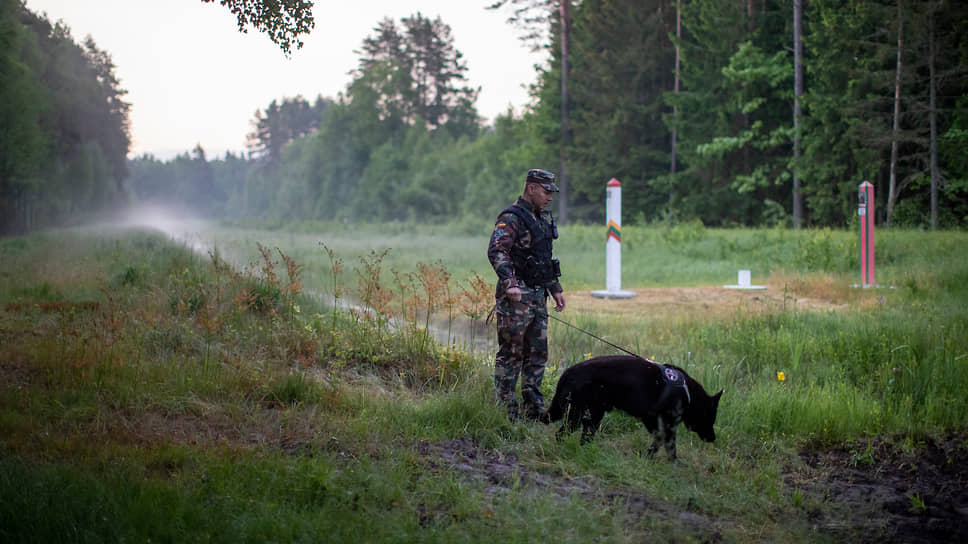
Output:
(522, 332)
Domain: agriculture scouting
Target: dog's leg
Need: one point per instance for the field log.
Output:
(574, 416)
(653, 448)
(670, 443)
(591, 419)
(664, 435)
(587, 430)
(570, 421)
(653, 428)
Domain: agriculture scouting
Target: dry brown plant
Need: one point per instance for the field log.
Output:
(294, 273)
(336, 268)
(407, 296)
(435, 282)
(376, 298)
(478, 297)
(268, 266)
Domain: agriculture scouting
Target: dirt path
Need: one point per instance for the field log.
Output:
(707, 301)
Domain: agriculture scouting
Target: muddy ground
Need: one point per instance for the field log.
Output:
(877, 491)
(887, 491)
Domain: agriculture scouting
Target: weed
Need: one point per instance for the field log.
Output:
(375, 296)
(477, 301)
(290, 389)
(130, 276)
(797, 498)
(917, 506)
(863, 457)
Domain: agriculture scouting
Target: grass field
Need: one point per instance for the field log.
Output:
(211, 390)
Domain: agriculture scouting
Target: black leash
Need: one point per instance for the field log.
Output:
(599, 338)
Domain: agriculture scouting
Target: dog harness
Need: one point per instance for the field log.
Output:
(674, 379)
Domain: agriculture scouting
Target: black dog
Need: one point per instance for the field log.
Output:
(659, 395)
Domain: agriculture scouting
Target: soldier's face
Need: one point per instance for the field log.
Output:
(540, 197)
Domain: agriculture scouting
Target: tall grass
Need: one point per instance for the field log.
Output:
(899, 350)
(280, 389)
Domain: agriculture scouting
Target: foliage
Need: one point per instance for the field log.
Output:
(616, 108)
(404, 140)
(283, 21)
(23, 145)
(532, 17)
(282, 123)
(413, 73)
(64, 138)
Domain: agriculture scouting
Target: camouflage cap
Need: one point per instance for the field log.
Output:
(543, 178)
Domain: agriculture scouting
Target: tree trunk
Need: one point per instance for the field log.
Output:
(797, 93)
(565, 133)
(675, 117)
(932, 53)
(750, 27)
(892, 189)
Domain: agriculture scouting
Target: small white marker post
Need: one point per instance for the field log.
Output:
(613, 244)
(743, 282)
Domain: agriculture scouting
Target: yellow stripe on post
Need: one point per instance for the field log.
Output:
(614, 231)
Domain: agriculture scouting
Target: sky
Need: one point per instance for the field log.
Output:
(192, 78)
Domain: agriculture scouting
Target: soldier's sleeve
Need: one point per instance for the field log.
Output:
(555, 288)
(499, 248)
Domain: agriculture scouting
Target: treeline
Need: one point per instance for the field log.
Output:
(403, 142)
(63, 124)
(711, 137)
(711, 140)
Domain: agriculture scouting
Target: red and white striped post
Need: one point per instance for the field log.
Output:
(613, 243)
(865, 212)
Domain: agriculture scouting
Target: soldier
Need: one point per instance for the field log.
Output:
(520, 252)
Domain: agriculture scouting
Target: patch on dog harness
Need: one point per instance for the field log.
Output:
(674, 378)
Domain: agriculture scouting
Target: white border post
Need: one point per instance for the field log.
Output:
(613, 243)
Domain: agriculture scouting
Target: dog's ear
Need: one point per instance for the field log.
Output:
(717, 396)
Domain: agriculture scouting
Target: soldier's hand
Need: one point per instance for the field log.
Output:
(559, 301)
(513, 294)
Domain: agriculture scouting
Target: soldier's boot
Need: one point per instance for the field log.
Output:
(504, 396)
(534, 407)
(512, 408)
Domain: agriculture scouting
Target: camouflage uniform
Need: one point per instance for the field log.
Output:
(522, 327)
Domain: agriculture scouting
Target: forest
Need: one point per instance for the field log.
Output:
(706, 111)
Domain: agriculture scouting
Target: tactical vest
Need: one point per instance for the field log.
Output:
(534, 266)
